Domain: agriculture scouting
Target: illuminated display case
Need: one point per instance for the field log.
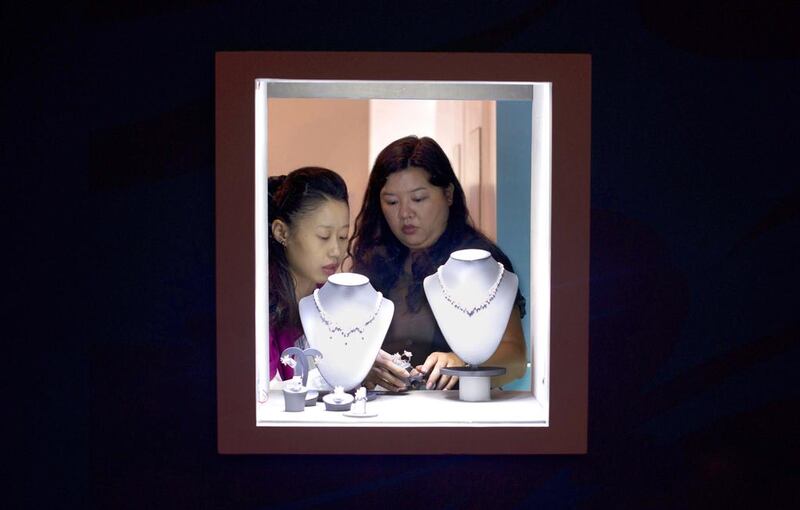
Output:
(535, 130)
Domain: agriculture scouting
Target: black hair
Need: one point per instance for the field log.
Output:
(290, 197)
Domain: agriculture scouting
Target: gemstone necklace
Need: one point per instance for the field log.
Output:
(334, 327)
(471, 310)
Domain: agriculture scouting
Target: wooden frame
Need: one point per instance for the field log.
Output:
(569, 75)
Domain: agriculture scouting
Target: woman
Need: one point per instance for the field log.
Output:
(413, 216)
(309, 225)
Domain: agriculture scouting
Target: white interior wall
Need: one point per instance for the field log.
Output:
(464, 130)
(391, 119)
(540, 215)
(332, 133)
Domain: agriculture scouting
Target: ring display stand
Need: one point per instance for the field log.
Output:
(474, 383)
(334, 402)
(359, 406)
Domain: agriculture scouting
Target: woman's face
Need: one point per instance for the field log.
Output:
(415, 209)
(316, 243)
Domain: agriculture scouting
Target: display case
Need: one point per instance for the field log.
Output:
(537, 134)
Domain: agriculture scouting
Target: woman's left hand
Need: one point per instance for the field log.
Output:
(433, 366)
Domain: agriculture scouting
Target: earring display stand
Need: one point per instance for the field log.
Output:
(292, 391)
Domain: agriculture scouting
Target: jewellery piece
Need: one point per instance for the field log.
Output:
(338, 395)
(359, 407)
(402, 360)
(300, 362)
(346, 331)
(471, 310)
(294, 385)
(361, 394)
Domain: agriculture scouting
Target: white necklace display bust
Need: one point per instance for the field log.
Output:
(346, 320)
(471, 297)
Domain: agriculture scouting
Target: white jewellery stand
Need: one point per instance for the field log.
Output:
(346, 320)
(471, 296)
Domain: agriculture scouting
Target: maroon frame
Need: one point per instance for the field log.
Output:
(236, 73)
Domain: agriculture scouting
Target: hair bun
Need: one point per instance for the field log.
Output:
(274, 184)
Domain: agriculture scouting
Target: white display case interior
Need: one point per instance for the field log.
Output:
(527, 407)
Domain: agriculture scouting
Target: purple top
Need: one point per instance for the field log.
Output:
(278, 342)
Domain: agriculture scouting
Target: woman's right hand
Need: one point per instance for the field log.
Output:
(386, 374)
(433, 367)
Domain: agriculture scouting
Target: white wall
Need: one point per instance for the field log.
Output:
(391, 119)
(464, 130)
(331, 133)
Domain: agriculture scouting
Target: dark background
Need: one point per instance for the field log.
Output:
(108, 170)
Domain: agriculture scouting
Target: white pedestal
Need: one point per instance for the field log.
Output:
(474, 383)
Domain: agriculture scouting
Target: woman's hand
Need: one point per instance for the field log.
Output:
(433, 367)
(385, 373)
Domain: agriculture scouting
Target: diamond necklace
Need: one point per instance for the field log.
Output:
(334, 327)
(470, 311)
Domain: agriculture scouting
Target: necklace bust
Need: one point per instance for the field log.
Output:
(471, 296)
(346, 320)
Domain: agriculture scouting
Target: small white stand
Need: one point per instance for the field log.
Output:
(359, 407)
(474, 383)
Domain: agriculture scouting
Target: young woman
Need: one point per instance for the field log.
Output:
(413, 216)
(309, 226)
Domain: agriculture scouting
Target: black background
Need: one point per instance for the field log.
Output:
(108, 170)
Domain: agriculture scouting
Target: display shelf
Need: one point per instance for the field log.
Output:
(428, 408)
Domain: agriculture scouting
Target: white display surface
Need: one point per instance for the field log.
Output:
(540, 193)
(431, 408)
(352, 331)
(475, 329)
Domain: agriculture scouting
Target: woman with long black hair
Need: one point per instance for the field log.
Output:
(414, 215)
(309, 227)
